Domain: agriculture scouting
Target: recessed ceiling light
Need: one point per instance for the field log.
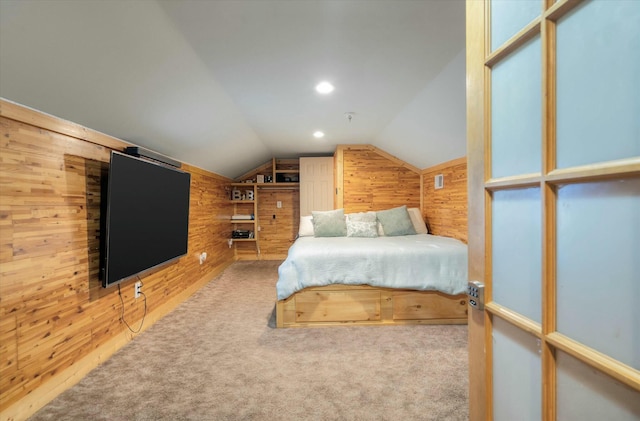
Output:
(318, 134)
(324, 88)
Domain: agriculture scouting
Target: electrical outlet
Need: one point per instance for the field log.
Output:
(137, 287)
(279, 204)
(203, 257)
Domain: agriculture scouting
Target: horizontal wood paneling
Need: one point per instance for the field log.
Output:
(56, 321)
(279, 227)
(446, 209)
(370, 180)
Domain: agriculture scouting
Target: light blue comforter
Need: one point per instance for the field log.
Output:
(419, 262)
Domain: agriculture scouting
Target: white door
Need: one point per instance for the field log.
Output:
(316, 184)
(554, 208)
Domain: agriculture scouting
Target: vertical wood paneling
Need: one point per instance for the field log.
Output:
(446, 209)
(54, 313)
(373, 180)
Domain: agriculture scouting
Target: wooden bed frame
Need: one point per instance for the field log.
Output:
(365, 305)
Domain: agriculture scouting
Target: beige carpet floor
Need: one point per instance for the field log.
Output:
(218, 357)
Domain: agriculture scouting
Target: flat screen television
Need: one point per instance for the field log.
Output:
(147, 217)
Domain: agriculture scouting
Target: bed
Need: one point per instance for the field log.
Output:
(416, 278)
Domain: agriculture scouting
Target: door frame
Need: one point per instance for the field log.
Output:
(475, 80)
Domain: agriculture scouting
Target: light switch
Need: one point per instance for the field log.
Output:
(279, 204)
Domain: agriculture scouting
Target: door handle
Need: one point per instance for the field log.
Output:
(475, 292)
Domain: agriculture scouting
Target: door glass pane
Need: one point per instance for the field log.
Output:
(516, 374)
(598, 83)
(598, 266)
(508, 17)
(586, 394)
(517, 244)
(516, 128)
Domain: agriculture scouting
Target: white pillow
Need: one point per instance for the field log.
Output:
(418, 222)
(306, 226)
(362, 217)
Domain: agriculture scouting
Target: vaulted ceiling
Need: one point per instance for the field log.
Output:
(226, 85)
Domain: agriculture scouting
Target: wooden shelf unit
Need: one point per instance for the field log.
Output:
(286, 168)
(276, 168)
(241, 207)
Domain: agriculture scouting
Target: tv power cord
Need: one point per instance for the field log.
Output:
(122, 308)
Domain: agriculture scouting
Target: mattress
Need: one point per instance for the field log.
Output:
(418, 262)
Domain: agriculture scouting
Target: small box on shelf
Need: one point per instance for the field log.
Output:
(242, 234)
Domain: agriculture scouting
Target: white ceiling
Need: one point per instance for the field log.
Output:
(226, 85)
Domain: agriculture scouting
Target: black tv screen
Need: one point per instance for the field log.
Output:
(147, 217)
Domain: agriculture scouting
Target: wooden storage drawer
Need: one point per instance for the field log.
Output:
(410, 306)
(333, 306)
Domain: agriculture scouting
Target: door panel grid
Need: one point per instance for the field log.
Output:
(569, 323)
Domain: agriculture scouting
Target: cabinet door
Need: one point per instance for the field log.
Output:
(316, 184)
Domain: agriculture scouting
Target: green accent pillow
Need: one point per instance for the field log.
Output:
(329, 223)
(396, 221)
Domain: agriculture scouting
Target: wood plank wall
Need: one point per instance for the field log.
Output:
(445, 210)
(278, 227)
(369, 179)
(56, 321)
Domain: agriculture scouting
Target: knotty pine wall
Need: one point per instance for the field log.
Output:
(56, 321)
(276, 234)
(369, 179)
(278, 226)
(446, 209)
